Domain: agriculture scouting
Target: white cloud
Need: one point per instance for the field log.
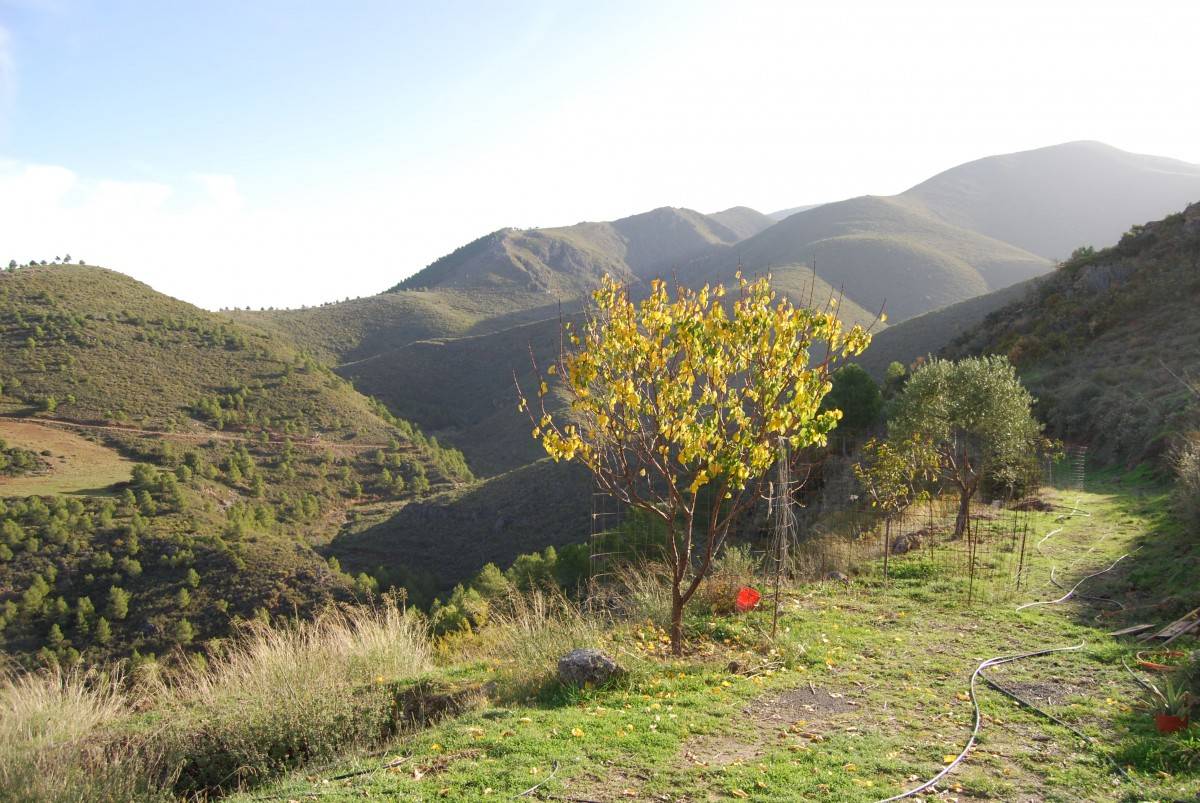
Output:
(205, 242)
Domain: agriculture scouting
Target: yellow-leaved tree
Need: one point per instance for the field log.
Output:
(686, 390)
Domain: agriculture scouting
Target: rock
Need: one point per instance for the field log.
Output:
(1033, 503)
(838, 576)
(587, 667)
(906, 543)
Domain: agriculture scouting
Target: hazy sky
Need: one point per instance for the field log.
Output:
(256, 152)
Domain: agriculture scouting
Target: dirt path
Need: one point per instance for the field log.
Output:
(62, 424)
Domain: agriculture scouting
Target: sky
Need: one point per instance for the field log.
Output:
(271, 153)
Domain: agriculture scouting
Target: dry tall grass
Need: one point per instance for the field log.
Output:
(281, 696)
(274, 698)
(528, 634)
(59, 739)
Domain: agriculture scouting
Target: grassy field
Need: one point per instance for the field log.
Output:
(862, 695)
(77, 465)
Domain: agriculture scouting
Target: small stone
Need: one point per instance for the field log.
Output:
(587, 667)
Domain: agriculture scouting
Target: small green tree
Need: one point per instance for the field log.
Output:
(855, 393)
(118, 603)
(103, 631)
(183, 632)
(679, 406)
(894, 379)
(975, 417)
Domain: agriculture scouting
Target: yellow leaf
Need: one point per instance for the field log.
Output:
(948, 759)
(577, 733)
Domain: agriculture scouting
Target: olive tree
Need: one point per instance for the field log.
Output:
(687, 392)
(974, 415)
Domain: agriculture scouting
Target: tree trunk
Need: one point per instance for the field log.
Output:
(964, 511)
(676, 622)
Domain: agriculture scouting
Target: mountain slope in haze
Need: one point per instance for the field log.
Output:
(568, 261)
(1098, 340)
(786, 213)
(742, 221)
(878, 249)
(1051, 200)
(928, 333)
(351, 330)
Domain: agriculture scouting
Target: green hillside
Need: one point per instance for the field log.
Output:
(89, 344)
(1051, 200)
(351, 330)
(1098, 340)
(190, 462)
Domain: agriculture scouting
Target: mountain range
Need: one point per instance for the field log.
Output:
(366, 382)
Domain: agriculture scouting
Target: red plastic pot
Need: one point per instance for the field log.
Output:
(747, 599)
(1169, 723)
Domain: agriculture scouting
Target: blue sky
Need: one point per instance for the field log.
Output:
(231, 152)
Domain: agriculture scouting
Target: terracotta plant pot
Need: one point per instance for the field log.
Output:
(1153, 659)
(1169, 723)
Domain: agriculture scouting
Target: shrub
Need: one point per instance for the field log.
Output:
(1186, 460)
(734, 569)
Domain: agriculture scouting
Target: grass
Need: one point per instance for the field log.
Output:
(863, 692)
(78, 465)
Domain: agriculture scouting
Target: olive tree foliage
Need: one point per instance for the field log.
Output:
(678, 405)
(973, 417)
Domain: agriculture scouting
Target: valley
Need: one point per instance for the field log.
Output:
(183, 480)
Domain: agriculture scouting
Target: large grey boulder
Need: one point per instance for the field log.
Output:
(587, 667)
(906, 543)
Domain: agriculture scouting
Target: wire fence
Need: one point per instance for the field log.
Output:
(799, 537)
